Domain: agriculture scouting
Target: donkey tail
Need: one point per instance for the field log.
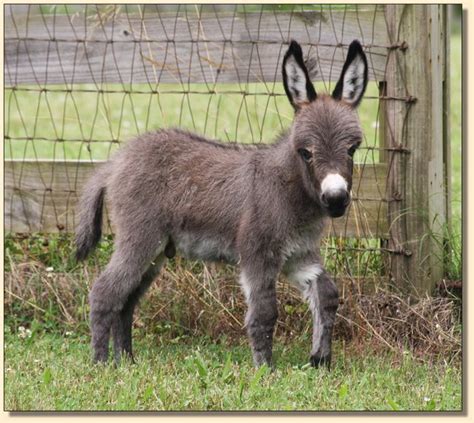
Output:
(90, 208)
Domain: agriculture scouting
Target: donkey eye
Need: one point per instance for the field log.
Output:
(305, 154)
(352, 150)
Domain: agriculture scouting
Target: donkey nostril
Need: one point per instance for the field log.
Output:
(347, 200)
(335, 199)
(324, 199)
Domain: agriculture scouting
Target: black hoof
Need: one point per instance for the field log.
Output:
(318, 361)
(100, 355)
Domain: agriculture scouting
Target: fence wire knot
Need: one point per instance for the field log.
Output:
(400, 251)
(402, 46)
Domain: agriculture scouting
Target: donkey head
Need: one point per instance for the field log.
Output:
(326, 132)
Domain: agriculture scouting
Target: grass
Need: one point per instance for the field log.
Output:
(191, 349)
(361, 259)
(51, 372)
(194, 299)
(94, 124)
(456, 111)
(454, 238)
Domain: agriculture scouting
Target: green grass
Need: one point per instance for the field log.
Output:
(361, 257)
(94, 124)
(456, 119)
(53, 372)
(454, 236)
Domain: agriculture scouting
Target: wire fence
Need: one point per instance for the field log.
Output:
(83, 79)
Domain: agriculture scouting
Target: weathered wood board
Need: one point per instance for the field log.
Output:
(40, 196)
(420, 127)
(184, 47)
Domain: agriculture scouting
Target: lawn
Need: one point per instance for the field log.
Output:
(456, 128)
(52, 372)
(87, 120)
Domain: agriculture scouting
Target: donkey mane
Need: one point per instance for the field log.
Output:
(229, 145)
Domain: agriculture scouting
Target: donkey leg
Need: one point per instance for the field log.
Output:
(262, 313)
(327, 302)
(322, 295)
(112, 289)
(122, 325)
(104, 305)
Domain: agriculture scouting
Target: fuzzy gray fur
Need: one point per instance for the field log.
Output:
(260, 208)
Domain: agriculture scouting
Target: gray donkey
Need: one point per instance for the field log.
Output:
(262, 208)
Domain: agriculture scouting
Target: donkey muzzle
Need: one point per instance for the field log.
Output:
(335, 196)
(336, 202)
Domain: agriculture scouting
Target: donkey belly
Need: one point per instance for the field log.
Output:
(205, 247)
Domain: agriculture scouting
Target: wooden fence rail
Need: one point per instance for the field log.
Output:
(190, 48)
(40, 196)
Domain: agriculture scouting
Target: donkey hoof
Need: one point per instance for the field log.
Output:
(100, 360)
(318, 361)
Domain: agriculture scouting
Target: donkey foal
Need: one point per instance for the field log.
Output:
(260, 207)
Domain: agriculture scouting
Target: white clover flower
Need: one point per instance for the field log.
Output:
(23, 333)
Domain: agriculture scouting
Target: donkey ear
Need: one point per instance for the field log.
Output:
(298, 86)
(353, 80)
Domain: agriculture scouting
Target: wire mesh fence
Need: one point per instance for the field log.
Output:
(83, 79)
